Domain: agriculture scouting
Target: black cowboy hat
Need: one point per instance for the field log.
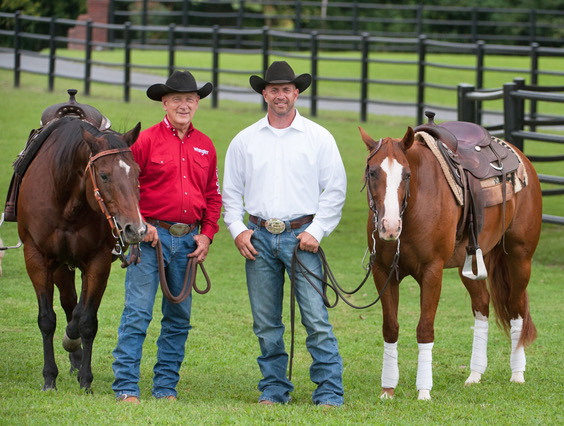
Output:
(280, 72)
(178, 82)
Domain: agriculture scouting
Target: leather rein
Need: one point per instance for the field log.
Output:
(120, 246)
(328, 279)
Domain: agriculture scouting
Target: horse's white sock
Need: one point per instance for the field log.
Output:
(390, 370)
(425, 367)
(518, 360)
(479, 360)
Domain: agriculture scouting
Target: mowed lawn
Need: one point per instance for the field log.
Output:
(220, 374)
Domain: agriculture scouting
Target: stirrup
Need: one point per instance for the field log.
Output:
(467, 269)
(2, 246)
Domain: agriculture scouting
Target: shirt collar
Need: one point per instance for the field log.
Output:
(173, 129)
(297, 123)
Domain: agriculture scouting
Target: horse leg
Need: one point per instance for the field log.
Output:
(481, 309)
(93, 287)
(42, 279)
(509, 277)
(390, 331)
(64, 280)
(430, 283)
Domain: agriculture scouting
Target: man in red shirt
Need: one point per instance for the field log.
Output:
(179, 193)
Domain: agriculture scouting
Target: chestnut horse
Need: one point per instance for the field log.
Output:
(78, 171)
(409, 195)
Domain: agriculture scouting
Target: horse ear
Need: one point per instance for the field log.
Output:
(408, 139)
(131, 136)
(90, 139)
(370, 143)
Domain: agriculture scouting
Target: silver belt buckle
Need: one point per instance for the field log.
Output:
(179, 229)
(275, 226)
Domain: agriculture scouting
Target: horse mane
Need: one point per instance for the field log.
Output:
(70, 152)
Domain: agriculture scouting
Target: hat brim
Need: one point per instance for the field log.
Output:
(157, 91)
(301, 82)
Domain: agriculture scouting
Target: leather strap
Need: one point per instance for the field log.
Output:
(167, 225)
(294, 224)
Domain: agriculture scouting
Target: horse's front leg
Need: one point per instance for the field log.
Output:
(94, 282)
(480, 308)
(42, 278)
(430, 284)
(390, 331)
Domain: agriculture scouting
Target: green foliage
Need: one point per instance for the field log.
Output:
(220, 374)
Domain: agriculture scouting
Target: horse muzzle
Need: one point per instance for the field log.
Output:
(389, 230)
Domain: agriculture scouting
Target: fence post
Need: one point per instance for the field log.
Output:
(364, 78)
(419, 19)
(265, 53)
(474, 24)
(17, 53)
(480, 53)
(532, 25)
(510, 115)
(171, 44)
(421, 47)
(88, 57)
(314, 61)
(534, 82)
(215, 64)
(127, 65)
(466, 107)
(52, 53)
(144, 21)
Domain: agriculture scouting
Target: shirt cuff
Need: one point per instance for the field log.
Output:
(315, 230)
(236, 228)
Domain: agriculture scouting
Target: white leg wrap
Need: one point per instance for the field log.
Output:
(479, 360)
(390, 370)
(425, 367)
(518, 360)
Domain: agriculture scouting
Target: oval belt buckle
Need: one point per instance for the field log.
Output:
(179, 229)
(275, 226)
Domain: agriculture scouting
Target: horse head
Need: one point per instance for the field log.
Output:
(114, 179)
(387, 180)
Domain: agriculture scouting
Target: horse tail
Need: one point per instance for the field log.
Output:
(500, 290)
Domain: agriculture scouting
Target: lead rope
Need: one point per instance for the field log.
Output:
(332, 284)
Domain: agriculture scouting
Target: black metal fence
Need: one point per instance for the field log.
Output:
(515, 120)
(447, 23)
(367, 81)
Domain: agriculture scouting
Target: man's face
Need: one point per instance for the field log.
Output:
(280, 98)
(180, 108)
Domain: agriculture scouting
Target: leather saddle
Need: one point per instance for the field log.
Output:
(49, 121)
(472, 155)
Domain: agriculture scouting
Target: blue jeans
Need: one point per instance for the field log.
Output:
(265, 282)
(141, 285)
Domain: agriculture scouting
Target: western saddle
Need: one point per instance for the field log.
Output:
(473, 156)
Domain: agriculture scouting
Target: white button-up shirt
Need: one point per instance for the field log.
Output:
(284, 174)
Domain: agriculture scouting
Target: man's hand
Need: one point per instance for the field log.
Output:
(152, 236)
(243, 243)
(308, 242)
(203, 245)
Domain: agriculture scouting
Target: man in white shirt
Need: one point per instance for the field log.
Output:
(287, 173)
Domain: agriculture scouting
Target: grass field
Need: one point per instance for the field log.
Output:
(220, 374)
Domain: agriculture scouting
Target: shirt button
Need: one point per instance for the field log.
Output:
(183, 159)
(184, 211)
(185, 193)
(184, 177)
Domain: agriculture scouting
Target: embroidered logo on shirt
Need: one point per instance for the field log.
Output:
(201, 151)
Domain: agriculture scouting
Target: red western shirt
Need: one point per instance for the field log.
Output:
(178, 178)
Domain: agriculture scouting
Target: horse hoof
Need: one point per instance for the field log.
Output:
(517, 377)
(387, 393)
(473, 378)
(71, 345)
(424, 395)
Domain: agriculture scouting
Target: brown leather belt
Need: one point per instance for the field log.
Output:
(277, 226)
(175, 229)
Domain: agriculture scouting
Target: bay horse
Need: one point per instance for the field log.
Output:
(78, 172)
(409, 195)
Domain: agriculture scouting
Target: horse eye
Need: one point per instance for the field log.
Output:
(374, 173)
(104, 177)
(407, 176)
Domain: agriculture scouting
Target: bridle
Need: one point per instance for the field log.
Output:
(120, 246)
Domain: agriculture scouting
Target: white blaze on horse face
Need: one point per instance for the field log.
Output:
(125, 166)
(390, 224)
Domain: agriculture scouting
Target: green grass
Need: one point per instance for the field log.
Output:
(220, 374)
